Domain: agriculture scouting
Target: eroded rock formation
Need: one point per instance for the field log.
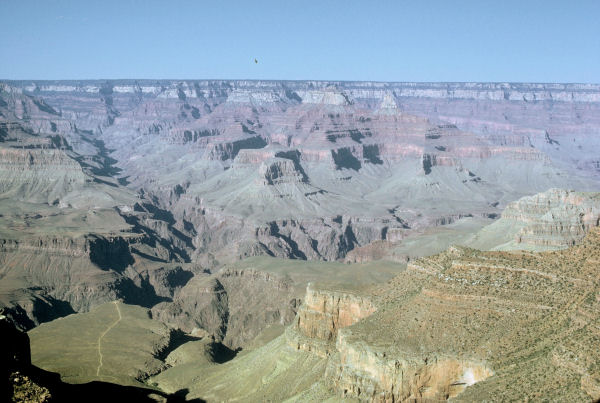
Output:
(146, 191)
(553, 219)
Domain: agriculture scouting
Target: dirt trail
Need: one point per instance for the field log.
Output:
(104, 334)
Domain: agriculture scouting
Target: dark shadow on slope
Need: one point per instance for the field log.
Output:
(343, 158)
(179, 278)
(427, 163)
(59, 142)
(143, 294)
(124, 181)
(296, 252)
(110, 253)
(49, 308)
(371, 154)
(157, 213)
(107, 163)
(181, 394)
(102, 158)
(45, 309)
(43, 106)
(251, 143)
(97, 180)
(153, 238)
(147, 256)
(177, 339)
(355, 134)
(294, 155)
(221, 353)
(3, 133)
(96, 391)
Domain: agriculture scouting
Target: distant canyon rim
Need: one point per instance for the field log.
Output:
(213, 204)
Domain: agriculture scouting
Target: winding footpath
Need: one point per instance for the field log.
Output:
(104, 334)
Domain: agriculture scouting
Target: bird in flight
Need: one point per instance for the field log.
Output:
(255, 61)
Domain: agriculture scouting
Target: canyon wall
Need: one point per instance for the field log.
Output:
(141, 189)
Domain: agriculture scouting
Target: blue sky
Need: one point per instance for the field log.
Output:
(452, 40)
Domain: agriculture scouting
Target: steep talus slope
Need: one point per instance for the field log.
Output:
(38, 175)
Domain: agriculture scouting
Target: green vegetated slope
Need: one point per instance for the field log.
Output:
(273, 372)
(114, 342)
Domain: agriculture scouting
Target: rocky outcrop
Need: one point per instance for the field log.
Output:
(277, 171)
(376, 250)
(189, 135)
(463, 324)
(329, 97)
(327, 239)
(253, 156)
(229, 150)
(372, 374)
(202, 304)
(556, 218)
(324, 312)
(360, 369)
(231, 306)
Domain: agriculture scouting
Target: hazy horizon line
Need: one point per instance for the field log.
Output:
(298, 80)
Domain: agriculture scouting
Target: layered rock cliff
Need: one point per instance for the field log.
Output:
(550, 220)
(556, 218)
(466, 324)
(324, 312)
(53, 264)
(360, 368)
(245, 154)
